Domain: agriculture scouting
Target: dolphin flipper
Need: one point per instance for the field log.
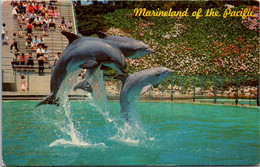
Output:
(90, 64)
(121, 77)
(100, 34)
(84, 85)
(146, 88)
(70, 36)
(51, 99)
(103, 67)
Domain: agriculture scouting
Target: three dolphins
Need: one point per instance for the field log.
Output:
(90, 53)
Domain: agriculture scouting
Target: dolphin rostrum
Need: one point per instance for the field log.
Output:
(131, 48)
(87, 53)
(139, 82)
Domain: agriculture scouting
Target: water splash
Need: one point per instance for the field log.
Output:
(71, 136)
(99, 95)
(130, 133)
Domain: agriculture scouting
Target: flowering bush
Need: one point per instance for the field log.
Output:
(208, 46)
(252, 23)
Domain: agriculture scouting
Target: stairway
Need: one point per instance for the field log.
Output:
(55, 41)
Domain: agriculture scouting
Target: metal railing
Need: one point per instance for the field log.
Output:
(212, 89)
(75, 17)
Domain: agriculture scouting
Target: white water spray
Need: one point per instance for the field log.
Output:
(99, 95)
(74, 137)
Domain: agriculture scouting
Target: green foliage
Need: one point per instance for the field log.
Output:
(91, 17)
(190, 46)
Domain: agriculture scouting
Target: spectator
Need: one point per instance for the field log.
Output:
(51, 4)
(40, 52)
(22, 60)
(23, 83)
(14, 12)
(52, 23)
(4, 33)
(56, 12)
(37, 22)
(20, 8)
(30, 62)
(63, 24)
(14, 43)
(41, 61)
(40, 17)
(29, 41)
(33, 3)
(24, 7)
(35, 42)
(15, 61)
(23, 16)
(20, 31)
(30, 8)
(46, 53)
(54, 62)
(32, 17)
(37, 8)
(29, 28)
(70, 25)
(44, 10)
(14, 3)
(82, 73)
(45, 27)
(41, 41)
(50, 11)
(19, 18)
(57, 57)
(26, 17)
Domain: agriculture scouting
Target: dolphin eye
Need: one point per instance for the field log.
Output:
(157, 75)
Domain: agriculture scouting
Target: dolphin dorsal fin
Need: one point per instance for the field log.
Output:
(70, 36)
(121, 77)
(100, 34)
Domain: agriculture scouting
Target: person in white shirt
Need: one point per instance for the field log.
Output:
(45, 27)
(52, 23)
(35, 42)
(14, 12)
(37, 22)
(40, 52)
(41, 41)
(70, 25)
(46, 53)
(4, 33)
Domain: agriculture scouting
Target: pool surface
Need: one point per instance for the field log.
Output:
(165, 134)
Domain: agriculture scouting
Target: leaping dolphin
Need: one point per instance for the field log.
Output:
(87, 53)
(139, 82)
(131, 48)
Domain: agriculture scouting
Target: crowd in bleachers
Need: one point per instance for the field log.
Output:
(35, 20)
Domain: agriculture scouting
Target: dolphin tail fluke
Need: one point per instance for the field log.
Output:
(51, 99)
(70, 36)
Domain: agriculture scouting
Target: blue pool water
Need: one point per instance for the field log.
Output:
(165, 134)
